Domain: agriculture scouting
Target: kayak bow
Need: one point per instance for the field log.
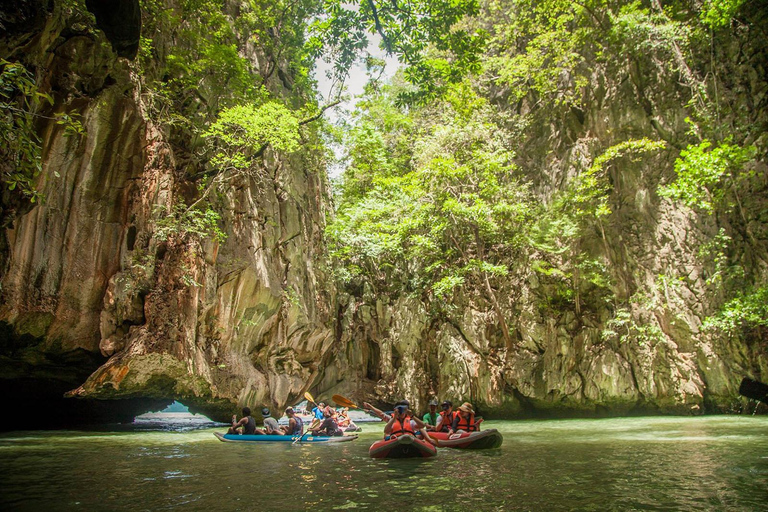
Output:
(405, 446)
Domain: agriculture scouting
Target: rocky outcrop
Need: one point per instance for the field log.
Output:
(640, 347)
(121, 318)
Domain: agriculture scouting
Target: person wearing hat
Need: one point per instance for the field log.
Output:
(464, 421)
(271, 426)
(445, 421)
(246, 423)
(432, 416)
(295, 425)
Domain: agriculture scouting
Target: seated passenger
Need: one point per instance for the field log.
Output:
(445, 421)
(432, 416)
(328, 427)
(271, 426)
(318, 414)
(402, 422)
(295, 425)
(246, 423)
(464, 421)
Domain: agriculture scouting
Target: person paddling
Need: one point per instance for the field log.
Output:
(246, 423)
(445, 421)
(295, 425)
(329, 426)
(464, 421)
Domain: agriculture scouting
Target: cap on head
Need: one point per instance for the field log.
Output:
(401, 408)
(447, 404)
(265, 411)
(433, 403)
(289, 410)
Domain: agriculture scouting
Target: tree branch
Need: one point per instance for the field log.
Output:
(379, 28)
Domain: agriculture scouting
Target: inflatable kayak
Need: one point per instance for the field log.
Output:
(403, 447)
(483, 440)
(308, 438)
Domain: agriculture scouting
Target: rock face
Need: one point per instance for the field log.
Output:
(645, 349)
(96, 304)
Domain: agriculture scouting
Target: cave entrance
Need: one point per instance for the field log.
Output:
(175, 416)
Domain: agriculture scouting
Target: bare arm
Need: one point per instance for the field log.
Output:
(388, 427)
(419, 424)
(376, 412)
(454, 424)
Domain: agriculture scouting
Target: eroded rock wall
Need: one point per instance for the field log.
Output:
(218, 325)
(641, 348)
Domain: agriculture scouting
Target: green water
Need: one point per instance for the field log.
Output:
(711, 463)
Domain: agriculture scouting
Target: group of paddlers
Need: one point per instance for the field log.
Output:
(402, 420)
(334, 422)
(327, 421)
(247, 425)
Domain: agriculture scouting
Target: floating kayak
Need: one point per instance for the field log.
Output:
(308, 438)
(403, 447)
(482, 440)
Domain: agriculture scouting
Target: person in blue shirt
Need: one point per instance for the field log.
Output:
(318, 414)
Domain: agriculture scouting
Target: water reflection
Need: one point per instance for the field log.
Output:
(716, 463)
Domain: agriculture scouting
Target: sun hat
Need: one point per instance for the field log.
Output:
(467, 407)
(265, 411)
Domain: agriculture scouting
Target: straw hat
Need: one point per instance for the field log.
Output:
(467, 407)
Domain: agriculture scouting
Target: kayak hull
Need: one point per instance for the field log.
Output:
(483, 440)
(308, 438)
(403, 447)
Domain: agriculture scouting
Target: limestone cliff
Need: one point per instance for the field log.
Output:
(636, 345)
(88, 285)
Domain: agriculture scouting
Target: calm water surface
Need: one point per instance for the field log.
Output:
(711, 463)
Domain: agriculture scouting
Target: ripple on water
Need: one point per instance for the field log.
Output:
(710, 463)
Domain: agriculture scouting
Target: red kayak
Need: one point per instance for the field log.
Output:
(482, 440)
(405, 446)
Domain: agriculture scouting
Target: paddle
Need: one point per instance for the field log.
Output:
(309, 398)
(344, 402)
(754, 389)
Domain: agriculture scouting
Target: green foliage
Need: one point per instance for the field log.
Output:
(705, 176)
(589, 193)
(436, 195)
(427, 36)
(243, 130)
(748, 310)
(719, 13)
(20, 151)
(625, 329)
(181, 222)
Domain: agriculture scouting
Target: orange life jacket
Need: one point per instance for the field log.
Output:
(466, 424)
(401, 428)
(447, 421)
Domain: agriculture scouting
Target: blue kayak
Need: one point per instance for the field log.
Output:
(308, 438)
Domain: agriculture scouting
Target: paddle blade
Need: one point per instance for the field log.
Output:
(309, 398)
(754, 389)
(344, 402)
